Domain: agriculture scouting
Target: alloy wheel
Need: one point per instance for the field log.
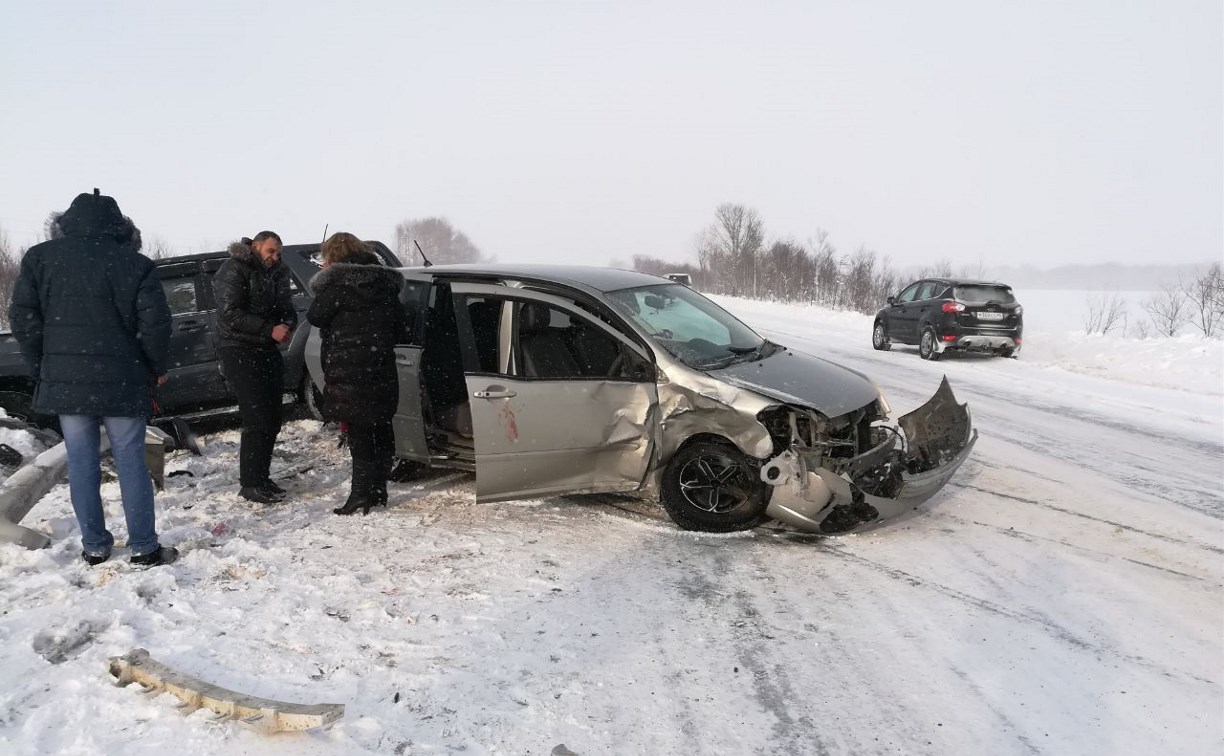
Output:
(715, 483)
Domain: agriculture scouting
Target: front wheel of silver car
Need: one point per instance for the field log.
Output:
(928, 348)
(713, 487)
(879, 337)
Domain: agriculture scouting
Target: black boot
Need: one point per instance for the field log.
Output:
(360, 498)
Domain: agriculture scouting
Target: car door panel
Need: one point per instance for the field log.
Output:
(409, 422)
(542, 436)
(192, 378)
(904, 316)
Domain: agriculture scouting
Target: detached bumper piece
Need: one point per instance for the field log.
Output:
(881, 484)
(261, 714)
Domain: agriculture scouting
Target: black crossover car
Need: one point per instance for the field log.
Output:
(942, 314)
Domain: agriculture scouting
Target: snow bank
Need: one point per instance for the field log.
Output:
(1188, 362)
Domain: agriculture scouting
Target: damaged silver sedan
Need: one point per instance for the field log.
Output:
(548, 380)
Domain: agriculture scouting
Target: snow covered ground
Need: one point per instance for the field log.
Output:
(1062, 596)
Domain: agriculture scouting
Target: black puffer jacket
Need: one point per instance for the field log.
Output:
(252, 299)
(356, 307)
(90, 315)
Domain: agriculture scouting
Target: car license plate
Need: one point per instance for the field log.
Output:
(990, 315)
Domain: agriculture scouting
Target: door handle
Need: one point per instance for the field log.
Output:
(191, 326)
(494, 392)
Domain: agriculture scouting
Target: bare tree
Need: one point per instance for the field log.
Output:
(1168, 310)
(729, 248)
(10, 266)
(941, 269)
(1105, 313)
(441, 242)
(1205, 298)
(157, 249)
(824, 258)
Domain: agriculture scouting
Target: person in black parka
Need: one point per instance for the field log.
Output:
(91, 317)
(357, 309)
(255, 316)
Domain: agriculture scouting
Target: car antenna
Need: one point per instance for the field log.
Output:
(423, 257)
(325, 226)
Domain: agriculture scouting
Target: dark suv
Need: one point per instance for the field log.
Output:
(942, 314)
(196, 384)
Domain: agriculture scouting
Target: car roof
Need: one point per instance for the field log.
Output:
(599, 279)
(964, 281)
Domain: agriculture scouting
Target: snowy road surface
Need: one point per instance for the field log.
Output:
(1062, 596)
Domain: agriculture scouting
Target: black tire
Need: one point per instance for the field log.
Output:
(313, 399)
(403, 470)
(879, 337)
(927, 345)
(713, 487)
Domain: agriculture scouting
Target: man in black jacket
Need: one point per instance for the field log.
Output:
(256, 315)
(90, 315)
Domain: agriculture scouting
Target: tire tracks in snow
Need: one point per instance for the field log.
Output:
(1029, 617)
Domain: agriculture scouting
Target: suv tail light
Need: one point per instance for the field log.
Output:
(953, 307)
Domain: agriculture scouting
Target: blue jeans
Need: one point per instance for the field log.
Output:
(82, 438)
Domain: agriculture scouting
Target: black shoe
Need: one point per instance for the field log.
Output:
(259, 495)
(270, 486)
(163, 555)
(95, 559)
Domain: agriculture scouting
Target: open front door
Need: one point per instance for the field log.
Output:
(409, 420)
(561, 402)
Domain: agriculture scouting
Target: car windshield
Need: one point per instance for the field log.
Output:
(690, 327)
(984, 293)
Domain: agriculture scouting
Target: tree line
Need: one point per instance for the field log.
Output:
(734, 258)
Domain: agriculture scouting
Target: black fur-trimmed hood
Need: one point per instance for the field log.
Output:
(242, 252)
(94, 216)
(369, 274)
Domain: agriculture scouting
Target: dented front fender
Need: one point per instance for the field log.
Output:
(881, 484)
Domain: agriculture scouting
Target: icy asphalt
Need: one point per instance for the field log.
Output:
(1062, 596)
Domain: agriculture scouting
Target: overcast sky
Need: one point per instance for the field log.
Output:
(999, 132)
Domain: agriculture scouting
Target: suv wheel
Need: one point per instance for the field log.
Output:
(928, 348)
(713, 487)
(879, 337)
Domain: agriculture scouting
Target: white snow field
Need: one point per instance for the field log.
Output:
(1063, 595)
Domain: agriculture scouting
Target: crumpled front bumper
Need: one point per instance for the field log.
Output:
(883, 484)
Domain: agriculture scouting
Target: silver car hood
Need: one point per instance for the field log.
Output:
(801, 379)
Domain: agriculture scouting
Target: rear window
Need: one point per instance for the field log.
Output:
(1000, 294)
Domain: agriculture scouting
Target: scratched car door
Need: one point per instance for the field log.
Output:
(561, 402)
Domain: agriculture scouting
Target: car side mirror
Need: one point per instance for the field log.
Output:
(892, 300)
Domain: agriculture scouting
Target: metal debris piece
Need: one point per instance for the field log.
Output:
(261, 714)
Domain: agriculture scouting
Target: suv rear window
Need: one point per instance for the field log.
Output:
(1000, 294)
